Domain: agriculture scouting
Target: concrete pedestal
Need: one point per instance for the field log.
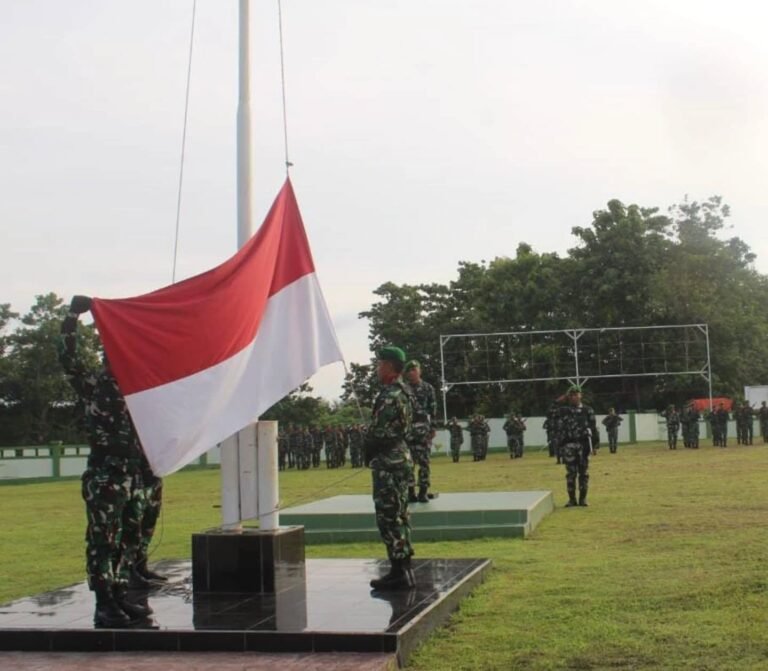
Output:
(248, 560)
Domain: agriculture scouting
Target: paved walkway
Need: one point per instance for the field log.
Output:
(195, 661)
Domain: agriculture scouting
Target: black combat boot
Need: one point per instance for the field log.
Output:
(135, 608)
(422, 497)
(412, 495)
(400, 577)
(571, 498)
(583, 497)
(108, 614)
(147, 573)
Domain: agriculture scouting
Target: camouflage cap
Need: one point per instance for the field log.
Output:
(412, 364)
(574, 389)
(391, 353)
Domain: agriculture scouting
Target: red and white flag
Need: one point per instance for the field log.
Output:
(199, 360)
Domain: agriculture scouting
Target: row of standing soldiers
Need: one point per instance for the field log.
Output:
(478, 429)
(301, 447)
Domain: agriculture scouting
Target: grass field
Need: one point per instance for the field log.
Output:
(667, 568)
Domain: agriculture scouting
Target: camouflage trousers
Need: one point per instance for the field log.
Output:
(391, 471)
(672, 436)
(478, 444)
(613, 439)
(515, 445)
(150, 503)
(420, 456)
(455, 449)
(113, 509)
(576, 460)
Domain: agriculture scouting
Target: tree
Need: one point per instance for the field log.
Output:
(36, 381)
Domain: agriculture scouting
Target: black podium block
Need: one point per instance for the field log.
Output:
(248, 560)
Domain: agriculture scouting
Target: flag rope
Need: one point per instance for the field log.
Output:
(183, 143)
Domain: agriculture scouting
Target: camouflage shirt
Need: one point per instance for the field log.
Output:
(423, 397)
(456, 431)
(392, 414)
(576, 424)
(107, 421)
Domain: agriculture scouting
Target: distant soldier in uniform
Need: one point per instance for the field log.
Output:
(456, 432)
(355, 438)
(692, 417)
(672, 418)
(611, 423)
(478, 431)
(578, 438)
(331, 438)
(744, 420)
(317, 445)
(112, 484)
(514, 427)
(721, 419)
(422, 430)
(763, 416)
(295, 445)
(307, 445)
(389, 458)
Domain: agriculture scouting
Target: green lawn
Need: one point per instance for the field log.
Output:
(665, 570)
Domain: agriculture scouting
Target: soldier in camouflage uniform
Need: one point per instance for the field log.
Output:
(578, 438)
(422, 430)
(763, 416)
(331, 450)
(112, 485)
(692, 417)
(456, 432)
(389, 458)
(478, 432)
(150, 502)
(514, 428)
(317, 445)
(355, 437)
(611, 423)
(744, 421)
(672, 418)
(721, 419)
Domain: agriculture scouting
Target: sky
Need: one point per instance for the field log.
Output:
(422, 133)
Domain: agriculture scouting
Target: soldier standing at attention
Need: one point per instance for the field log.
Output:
(673, 426)
(693, 417)
(422, 430)
(457, 438)
(389, 458)
(478, 431)
(578, 438)
(611, 423)
(763, 415)
(112, 485)
(514, 428)
(721, 419)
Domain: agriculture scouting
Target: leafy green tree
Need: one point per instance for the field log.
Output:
(37, 384)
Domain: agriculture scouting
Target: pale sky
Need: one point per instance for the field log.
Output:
(456, 129)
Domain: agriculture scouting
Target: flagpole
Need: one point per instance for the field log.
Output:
(237, 494)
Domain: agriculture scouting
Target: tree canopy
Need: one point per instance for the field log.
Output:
(632, 266)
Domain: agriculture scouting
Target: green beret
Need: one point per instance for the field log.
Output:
(412, 364)
(391, 353)
(574, 389)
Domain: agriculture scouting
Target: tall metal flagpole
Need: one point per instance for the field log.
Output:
(242, 495)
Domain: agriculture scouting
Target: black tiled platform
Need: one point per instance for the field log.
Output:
(334, 610)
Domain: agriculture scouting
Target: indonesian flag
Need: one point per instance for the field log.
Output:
(199, 360)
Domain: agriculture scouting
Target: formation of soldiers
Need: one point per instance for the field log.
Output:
(301, 447)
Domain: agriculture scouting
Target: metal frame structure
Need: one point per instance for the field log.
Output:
(575, 335)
